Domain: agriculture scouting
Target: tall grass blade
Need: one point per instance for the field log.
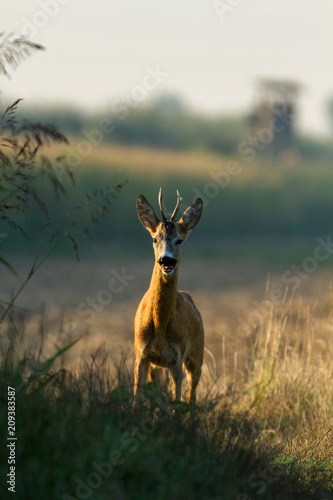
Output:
(9, 267)
(49, 362)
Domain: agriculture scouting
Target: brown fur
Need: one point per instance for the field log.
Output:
(168, 326)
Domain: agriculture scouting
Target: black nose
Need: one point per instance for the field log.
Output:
(167, 261)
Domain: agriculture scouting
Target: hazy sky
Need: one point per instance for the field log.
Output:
(212, 56)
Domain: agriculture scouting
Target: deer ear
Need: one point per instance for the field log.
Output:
(146, 213)
(191, 216)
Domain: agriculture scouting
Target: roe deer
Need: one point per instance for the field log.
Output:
(168, 326)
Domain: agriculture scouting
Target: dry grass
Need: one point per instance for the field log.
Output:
(264, 401)
(267, 379)
(289, 381)
(140, 160)
(163, 163)
(277, 371)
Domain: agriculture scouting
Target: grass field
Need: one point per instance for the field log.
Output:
(264, 422)
(272, 211)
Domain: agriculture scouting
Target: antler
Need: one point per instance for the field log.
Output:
(161, 204)
(179, 200)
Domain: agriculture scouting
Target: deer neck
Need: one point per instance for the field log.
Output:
(162, 297)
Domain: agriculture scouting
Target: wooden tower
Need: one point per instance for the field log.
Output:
(275, 112)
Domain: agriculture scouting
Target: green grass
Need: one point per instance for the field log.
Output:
(62, 438)
(269, 211)
(269, 435)
(78, 438)
(310, 471)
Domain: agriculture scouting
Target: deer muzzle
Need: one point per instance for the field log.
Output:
(168, 264)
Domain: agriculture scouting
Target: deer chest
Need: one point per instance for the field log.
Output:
(162, 353)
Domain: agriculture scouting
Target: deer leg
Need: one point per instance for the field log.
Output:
(176, 372)
(193, 373)
(154, 374)
(140, 376)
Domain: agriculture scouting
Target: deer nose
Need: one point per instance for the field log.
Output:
(167, 261)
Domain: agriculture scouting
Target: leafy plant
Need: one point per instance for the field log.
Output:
(24, 165)
(13, 50)
(40, 375)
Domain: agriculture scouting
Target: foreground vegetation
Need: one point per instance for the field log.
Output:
(262, 430)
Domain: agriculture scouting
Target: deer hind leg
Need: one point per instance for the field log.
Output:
(140, 376)
(193, 370)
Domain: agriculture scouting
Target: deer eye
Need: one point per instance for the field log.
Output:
(154, 240)
(179, 242)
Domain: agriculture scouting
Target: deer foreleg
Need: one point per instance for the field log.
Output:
(176, 372)
(193, 373)
(154, 374)
(140, 376)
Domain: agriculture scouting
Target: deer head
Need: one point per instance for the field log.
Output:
(168, 235)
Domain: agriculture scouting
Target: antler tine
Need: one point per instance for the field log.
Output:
(179, 200)
(161, 204)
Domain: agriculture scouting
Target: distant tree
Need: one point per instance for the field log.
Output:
(330, 112)
(169, 102)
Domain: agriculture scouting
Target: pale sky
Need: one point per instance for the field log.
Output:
(100, 50)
